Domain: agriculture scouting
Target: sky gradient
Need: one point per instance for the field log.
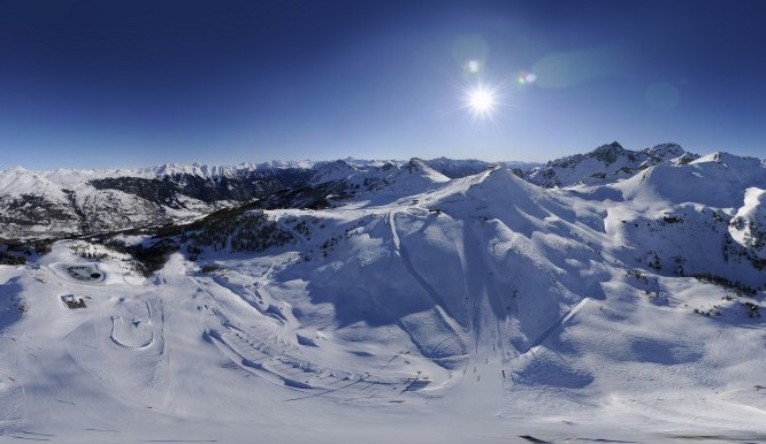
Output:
(112, 84)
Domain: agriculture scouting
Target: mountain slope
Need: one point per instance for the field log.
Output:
(416, 308)
(390, 302)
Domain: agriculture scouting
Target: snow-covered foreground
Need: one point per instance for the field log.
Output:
(481, 309)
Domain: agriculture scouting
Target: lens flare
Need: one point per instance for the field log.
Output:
(526, 78)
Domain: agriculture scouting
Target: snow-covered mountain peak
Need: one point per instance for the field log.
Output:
(194, 169)
(500, 180)
(18, 169)
(717, 180)
(607, 163)
(608, 153)
(665, 151)
(728, 160)
(334, 171)
(465, 167)
(420, 168)
(20, 180)
(507, 192)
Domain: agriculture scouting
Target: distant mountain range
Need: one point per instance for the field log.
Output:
(76, 202)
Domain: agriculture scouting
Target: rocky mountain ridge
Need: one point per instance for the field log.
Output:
(605, 164)
(71, 202)
(76, 202)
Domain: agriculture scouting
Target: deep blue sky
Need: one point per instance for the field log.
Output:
(128, 83)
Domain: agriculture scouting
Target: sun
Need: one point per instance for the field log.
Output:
(481, 101)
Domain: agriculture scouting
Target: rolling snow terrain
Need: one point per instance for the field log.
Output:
(614, 296)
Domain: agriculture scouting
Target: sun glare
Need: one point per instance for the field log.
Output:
(481, 101)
